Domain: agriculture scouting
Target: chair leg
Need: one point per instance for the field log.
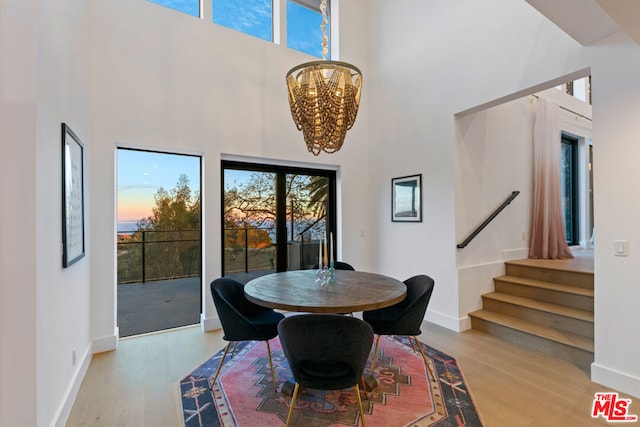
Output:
(273, 376)
(433, 377)
(226, 350)
(375, 355)
(293, 403)
(360, 405)
(233, 352)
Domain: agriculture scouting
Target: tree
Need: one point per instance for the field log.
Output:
(168, 239)
(177, 209)
(253, 204)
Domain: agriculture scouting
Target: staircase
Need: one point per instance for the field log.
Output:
(544, 306)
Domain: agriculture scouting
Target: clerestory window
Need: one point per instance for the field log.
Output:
(260, 18)
(303, 27)
(190, 7)
(254, 17)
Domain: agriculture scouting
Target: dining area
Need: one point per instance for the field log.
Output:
(316, 336)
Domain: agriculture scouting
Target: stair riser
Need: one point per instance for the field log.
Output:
(577, 326)
(571, 278)
(545, 295)
(580, 357)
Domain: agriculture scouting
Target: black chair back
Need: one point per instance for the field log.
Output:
(241, 319)
(338, 265)
(326, 351)
(405, 317)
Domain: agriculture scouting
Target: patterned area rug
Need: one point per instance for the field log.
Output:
(244, 394)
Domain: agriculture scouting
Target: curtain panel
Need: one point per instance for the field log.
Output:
(548, 238)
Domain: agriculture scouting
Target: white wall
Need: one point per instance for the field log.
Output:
(493, 158)
(18, 374)
(432, 60)
(63, 295)
(44, 308)
(165, 80)
(617, 209)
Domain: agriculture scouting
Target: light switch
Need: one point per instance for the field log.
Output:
(620, 248)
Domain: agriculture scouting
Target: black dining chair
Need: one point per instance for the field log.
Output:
(405, 317)
(338, 265)
(241, 319)
(325, 352)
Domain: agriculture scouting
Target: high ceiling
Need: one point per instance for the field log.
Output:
(589, 21)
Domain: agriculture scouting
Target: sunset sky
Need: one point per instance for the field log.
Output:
(142, 173)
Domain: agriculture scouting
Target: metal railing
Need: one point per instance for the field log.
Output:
(486, 222)
(147, 255)
(249, 249)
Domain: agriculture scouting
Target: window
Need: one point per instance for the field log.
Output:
(250, 17)
(273, 217)
(569, 188)
(303, 27)
(190, 7)
(580, 89)
(257, 18)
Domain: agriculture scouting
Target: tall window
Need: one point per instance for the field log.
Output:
(190, 7)
(569, 188)
(303, 27)
(253, 17)
(274, 217)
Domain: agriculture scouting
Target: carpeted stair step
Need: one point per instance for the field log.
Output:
(571, 296)
(566, 345)
(543, 313)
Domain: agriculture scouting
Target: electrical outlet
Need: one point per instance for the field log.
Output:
(73, 357)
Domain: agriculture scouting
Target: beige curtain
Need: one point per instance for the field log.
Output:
(548, 240)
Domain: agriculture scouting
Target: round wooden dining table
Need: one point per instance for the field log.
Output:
(299, 290)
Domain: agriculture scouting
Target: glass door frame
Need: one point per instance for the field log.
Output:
(281, 172)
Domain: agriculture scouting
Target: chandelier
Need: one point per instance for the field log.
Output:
(324, 97)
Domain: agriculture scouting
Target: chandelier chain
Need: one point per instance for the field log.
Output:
(323, 27)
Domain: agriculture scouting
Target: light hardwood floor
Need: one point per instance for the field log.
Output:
(512, 386)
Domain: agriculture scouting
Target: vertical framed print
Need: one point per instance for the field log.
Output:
(406, 199)
(72, 197)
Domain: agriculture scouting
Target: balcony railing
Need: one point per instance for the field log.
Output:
(249, 249)
(149, 255)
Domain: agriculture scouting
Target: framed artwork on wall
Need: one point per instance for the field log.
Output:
(406, 199)
(72, 197)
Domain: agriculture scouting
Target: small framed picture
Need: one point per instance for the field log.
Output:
(72, 197)
(406, 199)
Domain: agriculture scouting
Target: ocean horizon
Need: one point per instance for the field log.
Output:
(127, 226)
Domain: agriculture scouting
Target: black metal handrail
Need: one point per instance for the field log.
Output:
(144, 242)
(488, 220)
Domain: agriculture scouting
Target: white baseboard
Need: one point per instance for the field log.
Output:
(108, 343)
(511, 254)
(445, 321)
(615, 380)
(210, 323)
(62, 414)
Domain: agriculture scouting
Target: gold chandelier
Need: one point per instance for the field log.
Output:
(324, 97)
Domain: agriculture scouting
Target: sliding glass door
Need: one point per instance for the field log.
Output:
(273, 217)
